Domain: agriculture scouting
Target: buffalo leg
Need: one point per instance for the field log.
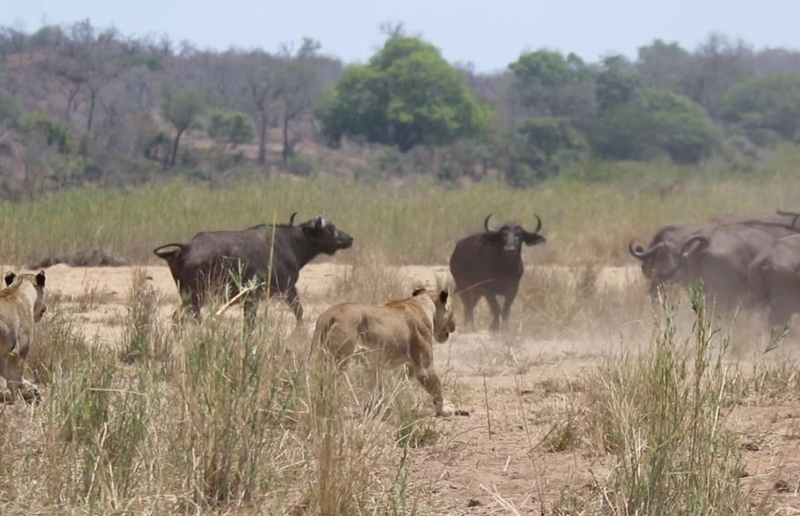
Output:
(250, 309)
(491, 298)
(512, 294)
(294, 303)
(469, 298)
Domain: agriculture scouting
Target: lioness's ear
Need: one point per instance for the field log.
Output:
(417, 291)
(443, 295)
(40, 279)
(10, 278)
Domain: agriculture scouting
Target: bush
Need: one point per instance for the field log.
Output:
(52, 131)
(659, 123)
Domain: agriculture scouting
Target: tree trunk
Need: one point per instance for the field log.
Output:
(262, 138)
(70, 99)
(92, 102)
(174, 156)
(285, 153)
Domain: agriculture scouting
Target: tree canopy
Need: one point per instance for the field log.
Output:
(406, 95)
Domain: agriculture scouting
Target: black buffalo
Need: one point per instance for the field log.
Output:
(489, 264)
(231, 260)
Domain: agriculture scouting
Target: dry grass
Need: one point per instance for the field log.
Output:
(186, 418)
(415, 223)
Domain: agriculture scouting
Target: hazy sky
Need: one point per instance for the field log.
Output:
(489, 33)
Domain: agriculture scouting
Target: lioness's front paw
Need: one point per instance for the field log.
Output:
(443, 411)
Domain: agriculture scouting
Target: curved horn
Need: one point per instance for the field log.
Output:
(640, 253)
(538, 224)
(486, 224)
(291, 219)
(686, 249)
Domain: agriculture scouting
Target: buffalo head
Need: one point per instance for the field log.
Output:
(323, 233)
(660, 261)
(510, 236)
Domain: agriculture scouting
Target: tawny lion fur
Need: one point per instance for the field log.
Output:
(21, 305)
(400, 332)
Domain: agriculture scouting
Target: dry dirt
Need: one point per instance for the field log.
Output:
(515, 390)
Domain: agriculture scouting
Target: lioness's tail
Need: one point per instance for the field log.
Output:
(320, 338)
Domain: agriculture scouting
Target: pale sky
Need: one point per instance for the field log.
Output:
(490, 34)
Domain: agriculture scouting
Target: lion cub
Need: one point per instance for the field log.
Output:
(400, 332)
(21, 304)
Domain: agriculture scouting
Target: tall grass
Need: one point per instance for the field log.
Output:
(660, 415)
(243, 421)
(414, 223)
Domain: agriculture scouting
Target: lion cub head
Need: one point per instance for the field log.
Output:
(444, 322)
(37, 280)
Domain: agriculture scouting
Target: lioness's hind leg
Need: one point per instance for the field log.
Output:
(16, 384)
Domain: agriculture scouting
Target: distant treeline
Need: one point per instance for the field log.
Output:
(81, 104)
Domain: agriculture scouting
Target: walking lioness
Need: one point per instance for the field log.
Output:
(400, 332)
(21, 304)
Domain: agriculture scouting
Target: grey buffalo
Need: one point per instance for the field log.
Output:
(775, 276)
(230, 260)
(489, 264)
(721, 258)
(662, 260)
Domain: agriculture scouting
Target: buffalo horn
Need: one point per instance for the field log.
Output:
(642, 253)
(486, 224)
(538, 224)
(291, 219)
(687, 247)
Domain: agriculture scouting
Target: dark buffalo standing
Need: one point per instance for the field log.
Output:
(775, 276)
(216, 260)
(489, 264)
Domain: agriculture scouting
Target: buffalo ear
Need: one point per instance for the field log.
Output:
(533, 238)
(9, 278)
(40, 279)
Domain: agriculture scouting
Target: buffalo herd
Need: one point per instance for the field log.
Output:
(743, 260)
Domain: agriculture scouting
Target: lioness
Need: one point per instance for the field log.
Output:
(21, 304)
(400, 332)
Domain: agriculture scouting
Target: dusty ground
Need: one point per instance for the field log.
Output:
(493, 461)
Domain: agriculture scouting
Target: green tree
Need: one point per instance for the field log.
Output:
(663, 65)
(52, 132)
(181, 109)
(771, 102)
(658, 122)
(406, 95)
(10, 110)
(552, 85)
(617, 83)
(230, 128)
(546, 145)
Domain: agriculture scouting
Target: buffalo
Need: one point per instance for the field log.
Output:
(234, 260)
(662, 260)
(489, 264)
(721, 258)
(775, 276)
